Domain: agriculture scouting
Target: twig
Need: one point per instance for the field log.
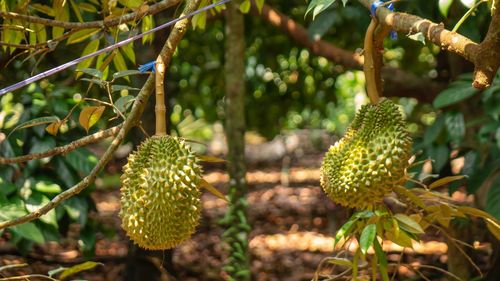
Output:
(10, 266)
(153, 9)
(28, 277)
(369, 66)
(166, 53)
(65, 148)
(485, 56)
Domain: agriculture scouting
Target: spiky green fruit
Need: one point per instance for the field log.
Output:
(364, 166)
(160, 198)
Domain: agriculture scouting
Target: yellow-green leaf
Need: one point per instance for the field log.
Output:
(408, 224)
(76, 10)
(402, 239)
(81, 35)
(128, 51)
(147, 24)
(213, 159)
(410, 195)
(475, 212)
(245, 6)
(210, 188)
(199, 21)
(41, 33)
(90, 115)
(87, 7)
(43, 9)
(34, 122)
(493, 227)
(61, 11)
(131, 3)
(260, 5)
(119, 63)
(340, 261)
(446, 180)
(78, 268)
(91, 47)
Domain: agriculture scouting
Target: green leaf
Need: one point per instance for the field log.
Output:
(116, 88)
(367, 237)
(81, 35)
(34, 122)
(123, 103)
(127, 72)
(318, 6)
(444, 7)
(42, 145)
(440, 154)
(29, 231)
(91, 47)
(245, 6)
(77, 209)
(408, 224)
(493, 199)
(6, 188)
(90, 115)
(38, 200)
(344, 230)
(382, 260)
(47, 187)
(92, 72)
(455, 125)
(457, 92)
(81, 160)
(322, 24)
(88, 265)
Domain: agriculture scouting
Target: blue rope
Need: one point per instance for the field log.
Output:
(150, 66)
(104, 50)
(373, 10)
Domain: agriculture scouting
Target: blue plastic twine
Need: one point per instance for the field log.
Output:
(150, 66)
(373, 10)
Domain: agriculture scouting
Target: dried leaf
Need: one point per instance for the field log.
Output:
(90, 115)
(446, 180)
(53, 128)
(210, 188)
(78, 268)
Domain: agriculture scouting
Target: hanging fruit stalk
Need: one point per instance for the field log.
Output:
(161, 182)
(160, 108)
(369, 65)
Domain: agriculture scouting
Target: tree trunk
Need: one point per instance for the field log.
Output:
(237, 229)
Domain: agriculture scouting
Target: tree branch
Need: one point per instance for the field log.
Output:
(65, 148)
(398, 83)
(485, 56)
(151, 10)
(166, 53)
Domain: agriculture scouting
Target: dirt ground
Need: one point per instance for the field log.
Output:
(292, 221)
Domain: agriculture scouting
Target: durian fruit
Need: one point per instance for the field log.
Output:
(160, 196)
(363, 166)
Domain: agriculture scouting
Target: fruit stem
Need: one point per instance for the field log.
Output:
(369, 65)
(160, 108)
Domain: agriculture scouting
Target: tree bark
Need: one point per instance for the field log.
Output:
(237, 265)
